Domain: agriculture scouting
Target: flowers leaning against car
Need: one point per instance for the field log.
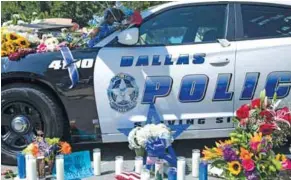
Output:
(248, 155)
(47, 148)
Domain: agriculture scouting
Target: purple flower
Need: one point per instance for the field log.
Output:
(229, 154)
(251, 175)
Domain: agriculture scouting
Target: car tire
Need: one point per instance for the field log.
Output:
(46, 114)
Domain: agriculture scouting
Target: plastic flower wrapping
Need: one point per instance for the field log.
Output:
(17, 42)
(248, 154)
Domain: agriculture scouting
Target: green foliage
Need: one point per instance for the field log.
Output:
(80, 11)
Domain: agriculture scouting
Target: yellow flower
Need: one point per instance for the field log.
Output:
(234, 167)
(22, 42)
(11, 36)
(4, 53)
(269, 138)
(281, 157)
(257, 137)
(221, 143)
(212, 153)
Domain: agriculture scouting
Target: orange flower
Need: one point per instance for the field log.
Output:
(65, 148)
(34, 150)
(281, 157)
(245, 154)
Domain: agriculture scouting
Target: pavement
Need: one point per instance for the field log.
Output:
(109, 151)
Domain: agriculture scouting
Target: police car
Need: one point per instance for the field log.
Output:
(196, 62)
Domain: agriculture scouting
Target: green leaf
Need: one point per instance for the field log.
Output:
(275, 97)
(263, 95)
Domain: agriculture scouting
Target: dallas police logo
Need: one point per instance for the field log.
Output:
(122, 92)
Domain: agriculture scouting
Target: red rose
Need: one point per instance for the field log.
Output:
(248, 164)
(284, 113)
(267, 129)
(256, 103)
(243, 112)
(266, 114)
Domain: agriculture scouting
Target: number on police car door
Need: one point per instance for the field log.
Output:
(178, 65)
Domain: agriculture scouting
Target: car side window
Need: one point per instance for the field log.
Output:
(185, 25)
(261, 21)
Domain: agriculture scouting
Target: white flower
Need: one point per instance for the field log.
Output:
(7, 23)
(17, 16)
(132, 139)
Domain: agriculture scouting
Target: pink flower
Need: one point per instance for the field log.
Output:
(286, 164)
(41, 48)
(255, 146)
(266, 114)
(248, 164)
(283, 114)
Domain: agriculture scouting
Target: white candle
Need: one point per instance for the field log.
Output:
(26, 165)
(145, 174)
(118, 164)
(97, 161)
(31, 168)
(181, 165)
(159, 168)
(195, 162)
(60, 167)
(138, 164)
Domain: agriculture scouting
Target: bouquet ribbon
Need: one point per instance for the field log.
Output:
(158, 148)
(72, 68)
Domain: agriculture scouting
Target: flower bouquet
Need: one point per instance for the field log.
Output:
(156, 140)
(248, 154)
(46, 150)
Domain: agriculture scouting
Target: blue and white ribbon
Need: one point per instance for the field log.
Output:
(71, 66)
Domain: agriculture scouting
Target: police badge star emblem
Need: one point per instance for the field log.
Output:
(122, 92)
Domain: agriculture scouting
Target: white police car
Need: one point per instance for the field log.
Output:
(197, 62)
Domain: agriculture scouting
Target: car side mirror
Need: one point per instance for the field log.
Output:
(128, 36)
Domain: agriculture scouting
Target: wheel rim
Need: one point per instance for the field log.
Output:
(19, 124)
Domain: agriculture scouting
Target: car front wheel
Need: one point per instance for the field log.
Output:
(26, 109)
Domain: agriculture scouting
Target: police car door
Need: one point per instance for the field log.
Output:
(178, 65)
(263, 49)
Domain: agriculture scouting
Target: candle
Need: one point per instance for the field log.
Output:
(21, 166)
(97, 161)
(145, 174)
(27, 156)
(172, 173)
(159, 169)
(138, 164)
(181, 165)
(195, 162)
(60, 167)
(118, 164)
(31, 166)
(203, 171)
